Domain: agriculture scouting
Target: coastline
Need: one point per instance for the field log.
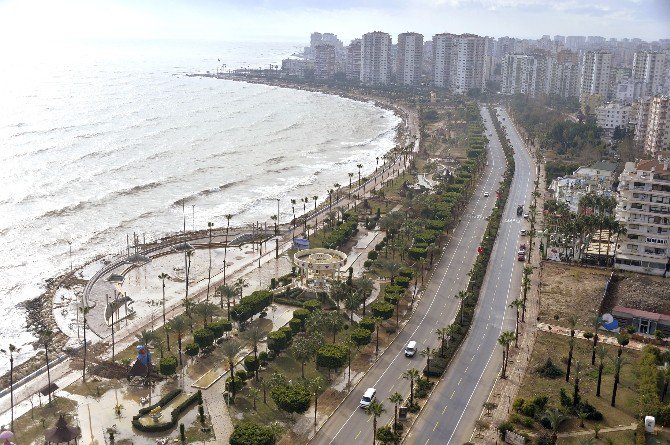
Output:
(39, 310)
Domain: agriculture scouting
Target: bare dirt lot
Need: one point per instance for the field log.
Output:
(644, 292)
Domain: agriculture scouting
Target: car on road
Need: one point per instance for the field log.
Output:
(523, 232)
(521, 255)
(525, 215)
(486, 194)
(368, 397)
(519, 210)
(410, 349)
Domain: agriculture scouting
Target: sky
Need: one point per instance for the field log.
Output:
(25, 23)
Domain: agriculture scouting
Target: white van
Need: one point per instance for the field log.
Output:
(368, 397)
(410, 349)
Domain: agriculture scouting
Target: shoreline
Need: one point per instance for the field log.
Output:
(39, 310)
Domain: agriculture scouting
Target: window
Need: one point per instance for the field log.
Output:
(644, 326)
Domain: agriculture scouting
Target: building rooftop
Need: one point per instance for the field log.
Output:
(655, 164)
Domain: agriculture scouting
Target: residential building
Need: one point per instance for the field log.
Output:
(595, 78)
(294, 67)
(409, 58)
(459, 62)
(353, 63)
(565, 79)
(596, 178)
(643, 107)
(650, 68)
(613, 115)
(518, 74)
(657, 138)
(325, 61)
(575, 42)
(376, 58)
(644, 211)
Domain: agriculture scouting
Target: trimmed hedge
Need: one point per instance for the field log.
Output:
(367, 323)
(191, 349)
(203, 337)
(251, 305)
(331, 356)
(174, 415)
(312, 305)
(361, 336)
(277, 341)
(382, 309)
(403, 282)
(251, 363)
(218, 328)
(250, 433)
(168, 365)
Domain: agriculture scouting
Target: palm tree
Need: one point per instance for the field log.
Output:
(188, 311)
(360, 166)
(209, 270)
(189, 254)
(254, 335)
(179, 326)
(167, 329)
(337, 191)
(254, 393)
(239, 286)
(229, 350)
(395, 398)
(411, 375)
(462, 295)
(351, 175)
(555, 419)
(517, 304)
(527, 271)
(505, 340)
(162, 277)
(225, 246)
(205, 310)
(228, 293)
(427, 353)
(315, 386)
(596, 324)
(84, 311)
(618, 363)
(378, 322)
(293, 203)
(572, 321)
(11, 350)
(375, 409)
(442, 334)
(265, 386)
(575, 394)
(274, 218)
(302, 352)
(352, 302)
(602, 354)
(316, 217)
(45, 338)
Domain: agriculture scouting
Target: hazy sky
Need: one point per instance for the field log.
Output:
(30, 22)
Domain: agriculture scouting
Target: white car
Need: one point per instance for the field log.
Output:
(410, 349)
(486, 194)
(523, 232)
(525, 215)
(368, 397)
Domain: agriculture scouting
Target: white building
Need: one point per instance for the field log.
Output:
(644, 210)
(597, 178)
(657, 138)
(294, 67)
(518, 74)
(650, 68)
(643, 106)
(376, 58)
(458, 62)
(612, 115)
(595, 78)
(353, 63)
(409, 58)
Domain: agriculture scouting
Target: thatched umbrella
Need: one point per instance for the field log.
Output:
(62, 433)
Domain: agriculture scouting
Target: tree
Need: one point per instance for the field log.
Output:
(167, 365)
(178, 325)
(395, 398)
(331, 356)
(555, 419)
(229, 349)
(596, 324)
(249, 432)
(517, 304)
(361, 336)
(375, 409)
(443, 335)
(162, 277)
(333, 322)
(427, 353)
(462, 296)
(205, 310)
(228, 293)
(505, 340)
(292, 398)
(11, 351)
(84, 312)
(303, 350)
(602, 354)
(45, 338)
(575, 394)
(489, 406)
(527, 272)
(254, 336)
(412, 375)
(571, 343)
(315, 386)
(365, 286)
(387, 435)
(618, 363)
(351, 302)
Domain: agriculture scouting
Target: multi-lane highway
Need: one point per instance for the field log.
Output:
(457, 402)
(437, 308)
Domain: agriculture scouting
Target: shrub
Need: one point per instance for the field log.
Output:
(406, 272)
(192, 349)
(382, 309)
(361, 336)
(301, 314)
(331, 356)
(251, 305)
(386, 434)
(549, 370)
(203, 337)
(248, 432)
(239, 383)
(544, 439)
(312, 305)
(227, 325)
(287, 332)
(168, 365)
(403, 282)
(291, 398)
(263, 357)
(367, 323)
(277, 341)
(367, 264)
(372, 255)
(394, 288)
(503, 428)
(437, 366)
(251, 363)
(217, 328)
(663, 415)
(242, 374)
(392, 298)
(295, 324)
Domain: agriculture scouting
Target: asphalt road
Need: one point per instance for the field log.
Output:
(436, 308)
(455, 405)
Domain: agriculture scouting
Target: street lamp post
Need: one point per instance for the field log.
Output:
(277, 211)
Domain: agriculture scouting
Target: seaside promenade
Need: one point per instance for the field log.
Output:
(62, 373)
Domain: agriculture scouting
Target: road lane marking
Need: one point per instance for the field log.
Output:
(445, 409)
(452, 394)
(357, 434)
(435, 427)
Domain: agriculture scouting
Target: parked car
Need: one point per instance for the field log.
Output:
(523, 232)
(521, 255)
(410, 349)
(525, 215)
(368, 397)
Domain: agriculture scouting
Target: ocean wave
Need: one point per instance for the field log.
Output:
(274, 160)
(207, 192)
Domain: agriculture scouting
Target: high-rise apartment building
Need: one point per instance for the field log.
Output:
(353, 63)
(458, 62)
(595, 79)
(644, 210)
(650, 67)
(643, 106)
(376, 58)
(657, 138)
(325, 61)
(518, 74)
(565, 79)
(409, 58)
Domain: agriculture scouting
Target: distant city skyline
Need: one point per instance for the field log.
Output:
(34, 22)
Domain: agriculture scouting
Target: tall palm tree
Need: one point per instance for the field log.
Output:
(45, 338)
(596, 324)
(205, 310)
(395, 398)
(572, 321)
(84, 312)
(315, 387)
(254, 393)
(462, 296)
(210, 225)
(360, 166)
(254, 336)
(575, 394)
(229, 350)
(293, 203)
(517, 304)
(11, 351)
(225, 246)
(351, 175)
(412, 375)
(427, 353)
(375, 409)
(239, 286)
(442, 334)
(162, 277)
(618, 363)
(602, 354)
(179, 325)
(188, 311)
(316, 217)
(167, 328)
(527, 272)
(189, 254)
(505, 340)
(274, 218)
(229, 293)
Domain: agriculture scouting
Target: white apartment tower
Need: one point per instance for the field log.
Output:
(657, 137)
(353, 63)
(409, 58)
(458, 62)
(375, 58)
(518, 74)
(596, 66)
(644, 210)
(325, 61)
(649, 67)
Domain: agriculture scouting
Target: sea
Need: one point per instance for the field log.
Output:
(101, 140)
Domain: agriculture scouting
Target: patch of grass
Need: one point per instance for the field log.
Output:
(95, 388)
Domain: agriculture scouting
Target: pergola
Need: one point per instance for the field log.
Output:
(319, 266)
(62, 433)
